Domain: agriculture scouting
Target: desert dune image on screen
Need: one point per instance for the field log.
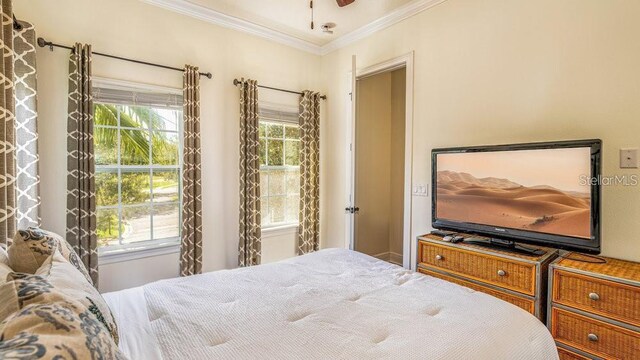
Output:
(532, 190)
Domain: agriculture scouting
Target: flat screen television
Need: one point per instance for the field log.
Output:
(544, 194)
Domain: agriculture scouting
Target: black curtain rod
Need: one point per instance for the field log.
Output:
(237, 82)
(42, 43)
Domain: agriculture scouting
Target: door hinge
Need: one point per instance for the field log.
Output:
(352, 210)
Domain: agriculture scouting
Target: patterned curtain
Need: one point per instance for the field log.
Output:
(191, 246)
(7, 127)
(81, 192)
(309, 228)
(249, 248)
(27, 179)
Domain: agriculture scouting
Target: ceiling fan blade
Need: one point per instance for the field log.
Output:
(342, 3)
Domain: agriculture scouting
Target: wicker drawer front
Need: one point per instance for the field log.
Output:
(509, 274)
(602, 297)
(593, 336)
(569, 355)
(525, 304)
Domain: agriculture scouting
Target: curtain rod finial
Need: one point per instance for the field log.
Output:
(42, 43)
(208, 75)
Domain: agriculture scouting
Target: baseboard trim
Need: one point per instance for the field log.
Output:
(390, 256)
(395, 258)
(383, 256)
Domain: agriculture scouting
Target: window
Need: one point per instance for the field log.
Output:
(279, 169)
(138, 169)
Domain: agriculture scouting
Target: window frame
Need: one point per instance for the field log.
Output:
(281, 226)
(152, 247)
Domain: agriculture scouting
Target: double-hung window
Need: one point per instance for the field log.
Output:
(137, 145)
(279, 167)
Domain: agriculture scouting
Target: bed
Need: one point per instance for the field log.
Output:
(331, 304)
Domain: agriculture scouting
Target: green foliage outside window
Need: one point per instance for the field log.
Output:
(145, 138)
(280, 172)
(134, 136)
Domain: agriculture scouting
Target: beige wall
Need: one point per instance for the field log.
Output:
(379, 153)
(497, 71)
(140, 31)
(396, 173)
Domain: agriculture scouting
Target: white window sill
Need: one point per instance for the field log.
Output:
(112, 256)
(281, 230)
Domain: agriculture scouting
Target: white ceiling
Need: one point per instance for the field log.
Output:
(293, 17)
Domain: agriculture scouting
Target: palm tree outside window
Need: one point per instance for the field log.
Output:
(137, 140)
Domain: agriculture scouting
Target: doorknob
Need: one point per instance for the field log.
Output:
(352, 210)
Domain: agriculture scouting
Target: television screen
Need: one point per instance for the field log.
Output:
(531, 192)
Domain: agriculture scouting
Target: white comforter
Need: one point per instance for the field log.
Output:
(332, 304)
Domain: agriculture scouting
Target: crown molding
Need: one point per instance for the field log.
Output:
(215, 17)
(382, 23)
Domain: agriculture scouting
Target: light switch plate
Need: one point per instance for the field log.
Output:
(421, 190)
(629, 158)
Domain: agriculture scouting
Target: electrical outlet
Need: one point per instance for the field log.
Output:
(629, 158)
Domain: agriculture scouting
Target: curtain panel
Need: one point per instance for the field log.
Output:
(81, 193)
(249, 248)
(7, 127)
(309, 228)
(27, 178)
(191, 245)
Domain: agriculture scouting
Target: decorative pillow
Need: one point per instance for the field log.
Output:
(48, 325)
(29, 250)
(66, 279)
(20, 290)
(33, 246)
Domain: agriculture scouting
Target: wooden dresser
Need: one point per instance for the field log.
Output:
(595, 308)
(518, 279)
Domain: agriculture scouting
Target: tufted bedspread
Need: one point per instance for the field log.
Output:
(332, 304)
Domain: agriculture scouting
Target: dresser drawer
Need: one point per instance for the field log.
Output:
(569, 355)
(593, 336)
(607, 298)
(526, 304)
(506, 273)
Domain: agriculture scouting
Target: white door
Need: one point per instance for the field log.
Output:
(350, 209)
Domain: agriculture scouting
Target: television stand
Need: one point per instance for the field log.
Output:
(516, 278)
(504, 245)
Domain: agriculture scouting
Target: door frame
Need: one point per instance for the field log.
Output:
(407, 62)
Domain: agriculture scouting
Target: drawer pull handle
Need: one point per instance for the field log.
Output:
(502, 273)
(439, 257)
(592, 337)
(594, 296)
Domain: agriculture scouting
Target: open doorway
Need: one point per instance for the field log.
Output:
(379, 161)
(379, 172)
